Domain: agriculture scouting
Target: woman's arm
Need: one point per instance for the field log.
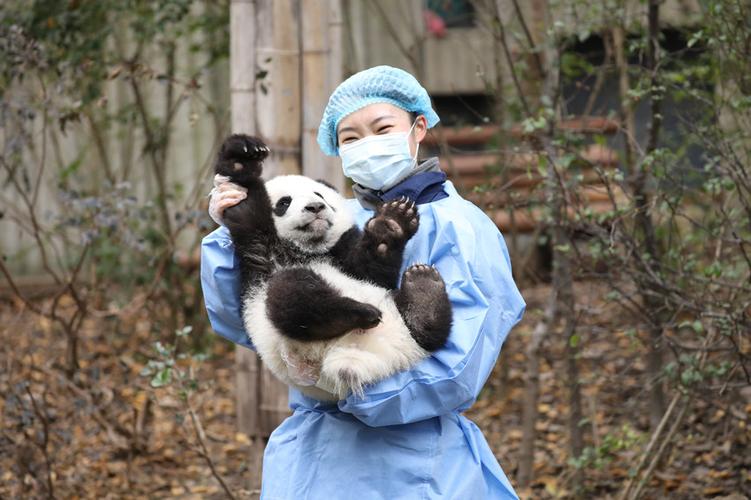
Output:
(472, 258)
(220, 281)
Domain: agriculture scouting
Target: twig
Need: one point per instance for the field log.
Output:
(101, 149)
(509, 59)
(676, 423)
(43, 446)
(530, 40)
(652, 443)
(119, 438)
(37, 230)
(151, 145)
(43, 161)
(600, 79)
(395, 36)
(658, 456)
(16, 291)
(204, 452)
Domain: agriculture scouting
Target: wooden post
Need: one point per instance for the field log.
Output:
(278, 87)
(278, 118)
(242, 66)
(243, 106)
(321, 64)
(281, 74)
(242, 95)
(265, 85)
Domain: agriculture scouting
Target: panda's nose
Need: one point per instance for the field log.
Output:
(315, 207)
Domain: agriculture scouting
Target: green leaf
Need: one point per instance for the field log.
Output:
(184, 331)
(162, 378)
(694, 38)
(573, 341)
(71, 168)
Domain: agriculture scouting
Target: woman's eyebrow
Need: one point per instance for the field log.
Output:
(383, 117)
(346, 129)
(352, 129)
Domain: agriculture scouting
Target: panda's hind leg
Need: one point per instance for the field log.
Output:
(303, 306)
(424, 304)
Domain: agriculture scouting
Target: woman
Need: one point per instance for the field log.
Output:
(406, 437)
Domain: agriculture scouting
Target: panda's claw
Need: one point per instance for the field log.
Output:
(419, 275)
(240, 149)
(395, 222)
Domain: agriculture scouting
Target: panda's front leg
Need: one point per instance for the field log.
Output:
(385, 235)
(393, 224)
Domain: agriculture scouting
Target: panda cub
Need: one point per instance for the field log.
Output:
(319, 296)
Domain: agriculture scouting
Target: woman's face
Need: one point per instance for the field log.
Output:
(380, 118)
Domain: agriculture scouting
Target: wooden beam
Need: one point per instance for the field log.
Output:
(475, 135)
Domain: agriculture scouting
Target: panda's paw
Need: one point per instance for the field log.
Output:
(366, 316)
(422, 286)
(403, 212)
(394, 223)
(241, 154)
(421, 275)
(424, 305)
(245, 147)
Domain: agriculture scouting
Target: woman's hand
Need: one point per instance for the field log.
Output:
(224, 195)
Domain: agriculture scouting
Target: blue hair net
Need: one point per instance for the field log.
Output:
(377, 84)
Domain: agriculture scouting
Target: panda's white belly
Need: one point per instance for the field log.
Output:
(328, 370)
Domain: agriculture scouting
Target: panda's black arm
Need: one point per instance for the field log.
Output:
(376, 253)
(356, 253)
(253, 234)
(250, 222)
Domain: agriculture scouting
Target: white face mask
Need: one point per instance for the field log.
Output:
(379, 161)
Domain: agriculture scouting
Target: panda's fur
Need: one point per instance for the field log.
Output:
(318, 295)
(341, 364)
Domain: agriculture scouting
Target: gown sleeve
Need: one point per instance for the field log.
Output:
(220, 282)
(471, 255)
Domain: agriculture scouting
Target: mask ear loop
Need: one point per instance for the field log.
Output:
(417, 148)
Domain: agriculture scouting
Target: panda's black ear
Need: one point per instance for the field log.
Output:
(327, 184)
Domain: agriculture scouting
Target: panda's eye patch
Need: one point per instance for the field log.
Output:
(282, 205)
(324, 199)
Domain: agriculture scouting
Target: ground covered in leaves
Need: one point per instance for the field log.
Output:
(107, 433)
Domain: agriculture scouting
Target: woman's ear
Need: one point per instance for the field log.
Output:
(421, 128)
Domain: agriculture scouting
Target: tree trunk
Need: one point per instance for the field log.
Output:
(563, 281)
(642, 200)
(532, 393)
(638, 175)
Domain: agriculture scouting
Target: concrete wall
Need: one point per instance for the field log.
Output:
(191, 151)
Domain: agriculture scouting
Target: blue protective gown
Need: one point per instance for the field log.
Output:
(406, 438)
